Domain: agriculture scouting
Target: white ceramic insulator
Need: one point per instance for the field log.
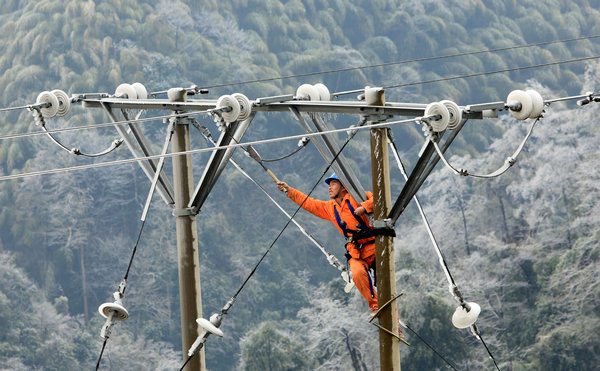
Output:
(324, 94)
(232, 102)
(64, 102)
(48, 97)
(126, 90)
(209, 327)
(308, 91)
(455, 114)
(519, 96)
(245, 106)
(121, 314)
(537, 102)
(438, 108)
(140, 90)
(463, 319)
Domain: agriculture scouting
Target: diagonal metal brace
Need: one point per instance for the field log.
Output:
(328, 149)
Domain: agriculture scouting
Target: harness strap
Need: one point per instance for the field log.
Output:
(360, 235)
(343, 225)
(339, 221)
(361, 222)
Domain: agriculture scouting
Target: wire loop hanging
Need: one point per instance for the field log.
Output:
(39, 121)
(508, 163)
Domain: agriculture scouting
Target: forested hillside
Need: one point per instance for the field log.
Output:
(524, 245)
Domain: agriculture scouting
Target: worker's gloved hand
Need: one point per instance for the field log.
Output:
(283, 187)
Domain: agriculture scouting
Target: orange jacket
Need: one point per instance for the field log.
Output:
(326, 210)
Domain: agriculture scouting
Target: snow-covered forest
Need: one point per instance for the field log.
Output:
(523, 245)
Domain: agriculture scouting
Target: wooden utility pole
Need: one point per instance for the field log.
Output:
(187, 239)
(389, 345)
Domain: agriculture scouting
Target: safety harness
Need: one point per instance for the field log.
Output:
(363, 232)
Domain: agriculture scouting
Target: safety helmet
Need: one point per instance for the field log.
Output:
(332, 177)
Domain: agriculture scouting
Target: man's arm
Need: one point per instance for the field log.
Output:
(366, 206)
(316, 207)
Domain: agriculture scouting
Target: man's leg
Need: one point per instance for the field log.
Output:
(363, 282)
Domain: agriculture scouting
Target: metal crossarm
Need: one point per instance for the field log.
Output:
(211, 171)
(164, 187)
(421, 171)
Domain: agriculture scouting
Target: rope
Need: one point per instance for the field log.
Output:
(452, 285)
(508, 163)
(389, 63)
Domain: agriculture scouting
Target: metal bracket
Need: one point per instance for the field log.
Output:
(276, 99)
(376, 118)
(383, 224)
(184, 212)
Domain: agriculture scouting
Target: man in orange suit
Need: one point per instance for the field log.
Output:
(349, 218)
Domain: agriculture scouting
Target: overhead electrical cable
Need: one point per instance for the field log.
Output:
(200, 150)
(337, 94)
(428, 345)
(508, 163)
(112, 310)
(424, 59)
(453, 288)
(98, 126)
(442, 79)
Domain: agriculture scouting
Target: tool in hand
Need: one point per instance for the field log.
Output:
(252, 153)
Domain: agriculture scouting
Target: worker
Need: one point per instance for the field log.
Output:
(349, 218)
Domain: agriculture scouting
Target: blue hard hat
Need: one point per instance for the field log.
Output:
(332, 177)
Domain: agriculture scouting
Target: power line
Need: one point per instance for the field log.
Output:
(452, 285)
(337, 94)
(430, 347)
(122, 286)
(200, 150)
(345, 69)
(442, 79)
(98, 126)
(425, 59)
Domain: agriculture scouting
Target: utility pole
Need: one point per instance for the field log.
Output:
(188, 261)
(389, 345)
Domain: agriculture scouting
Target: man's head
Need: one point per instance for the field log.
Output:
(336, 189)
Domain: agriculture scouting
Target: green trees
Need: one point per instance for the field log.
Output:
(267, 348)
(523, 246)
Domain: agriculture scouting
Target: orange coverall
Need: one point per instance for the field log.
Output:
(360, 260)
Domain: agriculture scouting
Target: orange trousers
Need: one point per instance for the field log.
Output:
(362, 280)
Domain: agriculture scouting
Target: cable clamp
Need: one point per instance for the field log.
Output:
(121, 290)
(591, 97)
(184, 212)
